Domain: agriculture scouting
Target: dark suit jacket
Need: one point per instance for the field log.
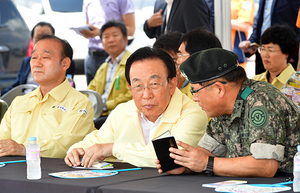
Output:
(283, 12)
(24, 71)
(185, 15)
(211, 7)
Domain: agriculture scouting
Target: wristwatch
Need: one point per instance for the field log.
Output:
(209, 168)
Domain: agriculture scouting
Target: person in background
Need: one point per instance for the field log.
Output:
(177, 15)
(169, 42)
(271, 12)
(191, 42)
(278, 44)
(97, 13)
(254, 127)
(157, 106)
(110, 81)
(24, 74)
(242, 16)
(55, 113)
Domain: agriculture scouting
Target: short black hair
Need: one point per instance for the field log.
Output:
(237, 76)
(282, 35)
(168, 41)
(42, 23)
(147, 53)
(114, 23)
(67, 50)
(199, 39)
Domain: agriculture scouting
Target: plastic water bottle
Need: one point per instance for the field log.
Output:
(70, 79)
(296, 183)
(33, 160)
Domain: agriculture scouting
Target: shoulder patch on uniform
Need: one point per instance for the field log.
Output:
(247, 91)
(259, 116)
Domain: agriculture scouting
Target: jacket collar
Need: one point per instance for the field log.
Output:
(58, 93)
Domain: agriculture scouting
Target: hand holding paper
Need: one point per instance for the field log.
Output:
(88, 31)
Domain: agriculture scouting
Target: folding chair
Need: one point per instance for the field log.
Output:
(3, 108)
(17, 91)
(96, 100)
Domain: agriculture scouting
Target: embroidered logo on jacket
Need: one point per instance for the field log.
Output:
(64, 109)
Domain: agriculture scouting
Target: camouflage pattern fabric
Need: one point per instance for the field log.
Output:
(265, 116)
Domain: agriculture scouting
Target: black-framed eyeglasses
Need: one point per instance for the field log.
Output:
(195, 91)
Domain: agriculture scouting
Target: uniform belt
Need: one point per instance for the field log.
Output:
(94, 52)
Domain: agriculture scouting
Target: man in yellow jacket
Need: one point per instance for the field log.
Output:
(157, 106)
(110, 81)
(55, 113)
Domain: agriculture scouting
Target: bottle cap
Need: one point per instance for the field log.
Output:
(298, 147)
(32, 139)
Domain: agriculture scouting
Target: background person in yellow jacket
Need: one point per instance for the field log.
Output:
(109, 80)
(278, 45)
(157, 106)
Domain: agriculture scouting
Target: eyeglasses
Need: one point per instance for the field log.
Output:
(268, 51)
(181, 55)
(195, 91)
(154, 87)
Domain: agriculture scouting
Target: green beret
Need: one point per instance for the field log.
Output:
(208, 65)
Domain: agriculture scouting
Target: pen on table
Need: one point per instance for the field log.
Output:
(11, 162)
(286, 183)
(125, 170)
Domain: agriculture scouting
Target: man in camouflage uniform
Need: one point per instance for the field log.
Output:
(254, 130)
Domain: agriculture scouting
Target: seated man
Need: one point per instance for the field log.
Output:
(191, 42)
(109, 80)
(55, 113)
(157, 106)
(254, 124)
(24, 74)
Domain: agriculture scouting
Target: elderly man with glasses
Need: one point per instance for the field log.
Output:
(157, 106)
(254, 130)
